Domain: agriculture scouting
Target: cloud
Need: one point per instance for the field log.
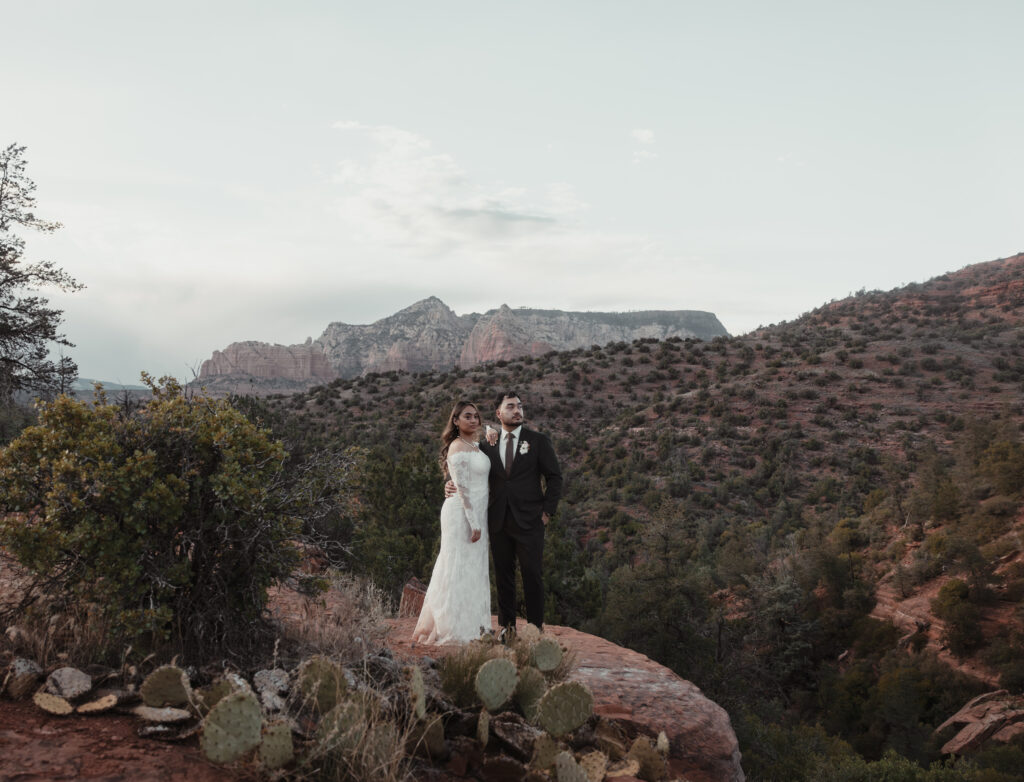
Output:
(645, 138)
(403, 194)
(643, 135)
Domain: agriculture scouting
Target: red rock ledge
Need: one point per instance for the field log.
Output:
(631, 687)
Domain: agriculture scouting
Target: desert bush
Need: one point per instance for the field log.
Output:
(172, 518)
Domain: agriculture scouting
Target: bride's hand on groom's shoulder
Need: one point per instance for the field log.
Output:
(492, 436)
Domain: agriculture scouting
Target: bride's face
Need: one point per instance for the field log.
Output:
(468, 421)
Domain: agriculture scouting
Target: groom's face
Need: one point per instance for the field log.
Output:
(511, 412)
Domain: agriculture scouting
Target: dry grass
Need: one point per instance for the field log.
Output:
(343, 623)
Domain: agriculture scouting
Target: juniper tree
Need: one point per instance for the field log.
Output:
(29, 326)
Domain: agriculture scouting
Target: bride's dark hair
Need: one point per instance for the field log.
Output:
(451, 432)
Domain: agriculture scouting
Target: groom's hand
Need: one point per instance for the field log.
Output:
(449, 489)
(545, 518)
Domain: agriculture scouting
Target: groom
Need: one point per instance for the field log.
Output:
(518, 509)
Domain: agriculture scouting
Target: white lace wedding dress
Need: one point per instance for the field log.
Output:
(457, 606)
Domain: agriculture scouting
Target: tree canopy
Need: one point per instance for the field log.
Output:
(29, 326)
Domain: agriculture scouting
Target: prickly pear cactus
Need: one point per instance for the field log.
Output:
(168, 685)
(568, 770)
(232, 728)
(594, 765)
(530, 634)
(495, 682)
(545, 750)
(53, 704)
(564, 708)
(652, 763)
(546, 654)
(23, 677)
(426, 738)
(165, 714)
(97, 706)
(208, 697)
(663, 745)
(483, 727)
(322, 682)
(343, 727)
(276, 750)
(611, 739)
(529, 691)
(379, 746)
(417, 692)
(68, 683)
(627, 767)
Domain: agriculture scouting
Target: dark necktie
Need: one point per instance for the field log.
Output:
(508, 453)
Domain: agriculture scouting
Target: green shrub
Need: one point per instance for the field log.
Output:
(171, 518)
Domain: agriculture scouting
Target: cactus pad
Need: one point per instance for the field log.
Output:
(379, 746)
(594, 765)
(652, 763)
(611, 739)
(417, 693)
(529, 691)
(22, 678)
(232, 728)
(627, 767)
(165, 715)
(546, 654)
(322, 682)
(663, 745)
(495, 682)
(342, 727)
(167, 686)
(68, 683)
(208, 697)
(483, 727)
(568, 769)
(545, 750)
(427, 738)
(98, 706)
(530, 634)
(276, 750)
(53, 704)
(168, 732)
(564, 708)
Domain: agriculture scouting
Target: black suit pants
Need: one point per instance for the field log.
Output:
(510, 544)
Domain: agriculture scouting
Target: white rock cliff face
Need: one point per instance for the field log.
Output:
(429, 336)
(270, 362)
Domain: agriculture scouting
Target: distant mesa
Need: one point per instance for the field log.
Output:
(429, 336)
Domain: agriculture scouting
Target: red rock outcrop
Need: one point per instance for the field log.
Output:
(507, 333)
(995, 716)
(429, 336)
(634, 689)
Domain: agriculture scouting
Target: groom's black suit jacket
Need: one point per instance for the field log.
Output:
(521, 493)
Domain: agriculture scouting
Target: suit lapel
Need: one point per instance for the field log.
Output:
(524, 436)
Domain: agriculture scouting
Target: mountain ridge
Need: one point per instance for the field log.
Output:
(429, 336)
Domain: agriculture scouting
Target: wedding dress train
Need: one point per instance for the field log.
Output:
(457, 606)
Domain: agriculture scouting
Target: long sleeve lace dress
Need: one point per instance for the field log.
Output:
(457, 606)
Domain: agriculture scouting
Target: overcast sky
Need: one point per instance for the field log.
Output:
(255, 170)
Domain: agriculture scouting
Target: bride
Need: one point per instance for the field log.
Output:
(457, 606)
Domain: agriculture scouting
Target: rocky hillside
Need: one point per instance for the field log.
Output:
(429, 336)
(821, 513)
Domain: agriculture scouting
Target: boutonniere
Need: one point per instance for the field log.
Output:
(524, 448)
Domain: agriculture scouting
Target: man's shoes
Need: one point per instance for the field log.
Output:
(507, 634)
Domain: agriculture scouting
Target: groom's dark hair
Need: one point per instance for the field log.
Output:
(506, 395)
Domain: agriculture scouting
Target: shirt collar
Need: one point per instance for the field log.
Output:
(515, 432)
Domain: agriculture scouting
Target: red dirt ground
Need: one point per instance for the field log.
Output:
(39, 747)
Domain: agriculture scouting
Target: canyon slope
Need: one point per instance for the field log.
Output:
(429, 336)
